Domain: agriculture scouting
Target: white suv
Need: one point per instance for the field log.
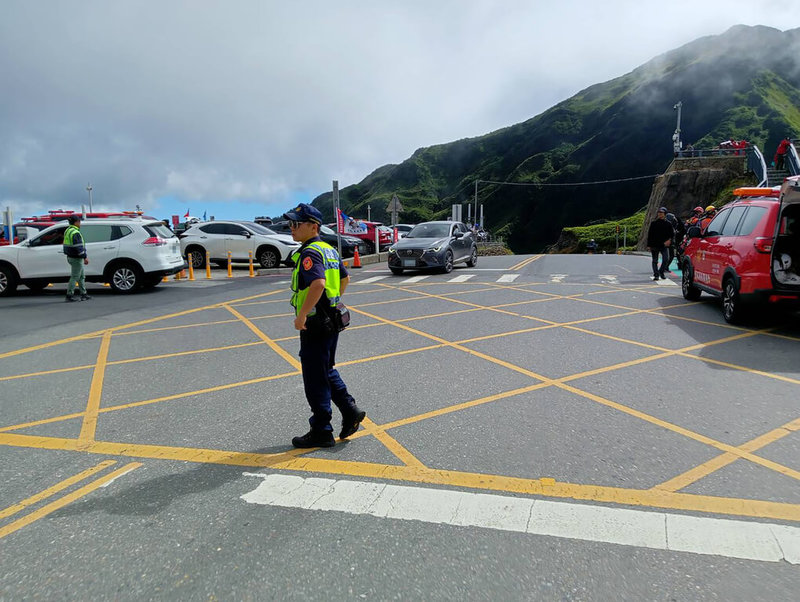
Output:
(217, 238)
(127, 252)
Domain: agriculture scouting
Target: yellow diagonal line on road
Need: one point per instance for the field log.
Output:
(63, 501)
(51, 491)
(707, 468)
(260, 334)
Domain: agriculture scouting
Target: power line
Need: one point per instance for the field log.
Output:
(569, 183)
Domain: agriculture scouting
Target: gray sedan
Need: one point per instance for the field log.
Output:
(434, 245)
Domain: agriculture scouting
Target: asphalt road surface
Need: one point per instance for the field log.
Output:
(539, 427)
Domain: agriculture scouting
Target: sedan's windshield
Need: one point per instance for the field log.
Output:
(326, 230)
(429, 231)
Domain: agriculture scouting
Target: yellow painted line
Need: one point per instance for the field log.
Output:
(63, 501)
(784, 470)
(178, 327)
(89, 425)
(272, 344)
(743, 368)
(405, 456)
(707, 468)
(123, 326)
(51, 491)
(524, 262)
(542, 487)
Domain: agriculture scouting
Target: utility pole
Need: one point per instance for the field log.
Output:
(336, 216)
(676, 137)
(476, 198)
(89, 190)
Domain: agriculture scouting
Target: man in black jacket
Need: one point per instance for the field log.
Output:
(659, 239)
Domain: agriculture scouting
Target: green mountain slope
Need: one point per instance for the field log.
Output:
(743, 84)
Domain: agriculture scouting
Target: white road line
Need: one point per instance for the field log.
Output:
(508, 278)
(609, 278)
(372, 279)
(557, 277)
(462, 278)
(413, 279)
(666, 282)
(766, 542)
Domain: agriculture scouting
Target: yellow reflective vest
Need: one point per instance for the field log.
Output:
(330, 263)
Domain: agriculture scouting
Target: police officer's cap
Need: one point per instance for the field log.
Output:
(304, 213)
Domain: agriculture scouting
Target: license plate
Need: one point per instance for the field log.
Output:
(409, 263)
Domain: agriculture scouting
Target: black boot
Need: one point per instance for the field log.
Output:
(70, 298)
(350, 422)
(85, 297)
(314, 439)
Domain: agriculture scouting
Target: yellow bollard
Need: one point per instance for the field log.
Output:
(208, 266)
(230, 267)
(191, 267)
(252, 273)
(178, 275)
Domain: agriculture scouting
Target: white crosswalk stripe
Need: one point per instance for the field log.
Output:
(369, 280)
(508, 278)
(413, 279)
(557, 277)
(609, 278)
(462, 278)
(766, 542)
(667, 282)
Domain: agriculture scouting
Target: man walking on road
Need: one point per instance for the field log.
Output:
(659, 238)
(318, 282)
(75, 251)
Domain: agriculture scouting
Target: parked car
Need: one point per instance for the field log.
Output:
(402, 229)
(366, 231)
(240, 238)
(436, 245)
(349, 243)
(127, 253)
(749, 253)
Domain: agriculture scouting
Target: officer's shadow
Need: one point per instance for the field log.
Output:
(154, 495)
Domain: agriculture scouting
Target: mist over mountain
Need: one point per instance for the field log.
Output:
(743, 84)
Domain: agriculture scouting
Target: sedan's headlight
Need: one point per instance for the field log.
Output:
(392, 250)
(434, 249)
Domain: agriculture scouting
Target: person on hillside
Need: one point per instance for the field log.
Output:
(591, 247)
(780, 153)
(318, 282)
(75, 251)
(659, 239)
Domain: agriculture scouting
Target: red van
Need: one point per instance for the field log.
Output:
(749, 253)
(366, 231)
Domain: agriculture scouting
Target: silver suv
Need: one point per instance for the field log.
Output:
(127, 252)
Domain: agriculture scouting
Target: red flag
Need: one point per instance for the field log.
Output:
(187, 213)
(339, 221)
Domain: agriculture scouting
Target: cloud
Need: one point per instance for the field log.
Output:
(256, 102)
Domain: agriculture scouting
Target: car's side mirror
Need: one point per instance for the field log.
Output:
(458, 234)
(693, 232)
(245, 233)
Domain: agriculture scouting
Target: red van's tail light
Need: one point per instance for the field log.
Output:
(763, 244)
(154, 241)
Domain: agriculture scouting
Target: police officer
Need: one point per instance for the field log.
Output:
(318, 282)
(75, 251)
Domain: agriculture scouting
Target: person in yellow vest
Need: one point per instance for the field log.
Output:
(75, 251)
(318, 282)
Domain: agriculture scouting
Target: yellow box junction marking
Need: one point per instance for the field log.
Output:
(413, 469)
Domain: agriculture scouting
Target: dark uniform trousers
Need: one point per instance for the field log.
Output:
(321, 380)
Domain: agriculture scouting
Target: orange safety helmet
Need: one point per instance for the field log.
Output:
(698, 210)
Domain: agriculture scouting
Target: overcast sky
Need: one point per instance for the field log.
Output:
(242, 108)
